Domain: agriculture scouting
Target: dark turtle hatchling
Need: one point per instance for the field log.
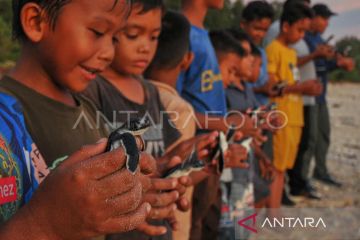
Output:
(129, 137)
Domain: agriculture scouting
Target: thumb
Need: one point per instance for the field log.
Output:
(86, 152)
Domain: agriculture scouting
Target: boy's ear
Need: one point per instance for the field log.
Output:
(33, 21)
(242, 24)
(188, 59)
(285, 27)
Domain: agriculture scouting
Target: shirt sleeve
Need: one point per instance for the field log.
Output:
(272, 58)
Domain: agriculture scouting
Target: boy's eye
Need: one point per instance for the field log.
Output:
(131, 36)
(155, 38)
(97, 33)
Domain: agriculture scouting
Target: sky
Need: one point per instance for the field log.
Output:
(347, 23)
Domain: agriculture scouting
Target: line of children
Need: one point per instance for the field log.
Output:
(78, 46)
(44, 80)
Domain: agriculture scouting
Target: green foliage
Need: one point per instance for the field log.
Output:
(9, 49)
(341, 45)
(227, 17)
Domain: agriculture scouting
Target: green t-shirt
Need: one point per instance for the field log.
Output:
(58, 129)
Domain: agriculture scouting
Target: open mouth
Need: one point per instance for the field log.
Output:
(92, 71)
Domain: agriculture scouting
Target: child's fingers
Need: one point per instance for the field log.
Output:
(161, 199)
(151, 230)
(147, 164)
(162, 212)
(127, 222)
(125, 203)
(117, 183)
(86, 152)
(104, 164)
(164, 184)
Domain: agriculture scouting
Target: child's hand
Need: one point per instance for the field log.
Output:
(346, 63)
(91, 194)
(246, 125)
(236, 157)
(267, 169)
(311, 88)
(324, 51)
(162, 196)
(203, 145)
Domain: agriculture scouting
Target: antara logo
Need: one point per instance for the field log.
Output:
(290, 222)
(252, 228)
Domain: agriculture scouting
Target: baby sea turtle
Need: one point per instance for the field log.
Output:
(218, 152)
(191, 164)
(128, 136)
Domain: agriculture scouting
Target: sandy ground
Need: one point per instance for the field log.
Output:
(344, 153)
(339, 207)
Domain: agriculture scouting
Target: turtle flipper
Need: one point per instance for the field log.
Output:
(131, 150)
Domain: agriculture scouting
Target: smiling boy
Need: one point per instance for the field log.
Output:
(63, 44)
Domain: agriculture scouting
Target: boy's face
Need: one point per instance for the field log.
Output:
(319, 24)
(229, 64)
(245, 66)
(296, 31)
(257, 29)
(256, 68)
(215, 4)
(82, 42)
(138, 41)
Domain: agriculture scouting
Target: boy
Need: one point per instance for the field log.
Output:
(257, 17)
(274, 30)
(323, 66)
(121, 93)
(202, 86)
(236, 185)
(23, 169)
(240, 97)
(282, 66)
(63, 46)
(173, 56)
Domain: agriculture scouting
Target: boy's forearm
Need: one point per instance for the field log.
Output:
(211, 122)
(304, 60)
(295, 88)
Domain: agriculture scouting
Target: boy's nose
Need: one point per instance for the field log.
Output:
(107, 53)
(145, 48)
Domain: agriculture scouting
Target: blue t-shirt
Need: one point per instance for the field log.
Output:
(201, 85)
(19, 176)
(263, 79)
(323, 66)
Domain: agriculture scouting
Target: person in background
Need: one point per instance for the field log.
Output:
(274, 29)
(173, 56)
(282, 67)
(324, 65)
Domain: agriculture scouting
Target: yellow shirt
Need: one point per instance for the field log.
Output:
(282, 62)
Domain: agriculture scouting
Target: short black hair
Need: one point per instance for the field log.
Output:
(51, 7)
(239, 34)
(295, 12)
(173, 43)
(290, 2)
(148, 5)
(224, 43)
(257, 10)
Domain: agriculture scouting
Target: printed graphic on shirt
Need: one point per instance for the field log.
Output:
(295, 72)
(21, 165)
(10, 181)
(208, 78)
